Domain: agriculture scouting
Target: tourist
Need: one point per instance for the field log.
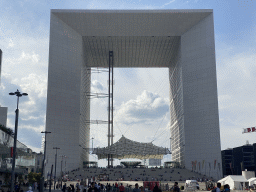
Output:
(93, 188)
(64, 187)
(121, 188)
(77, 186)
(176, 187)
(108, 187)
(136, 189)
(156, 189)
(72, 188)
(98, 187)
(218, 187)
(226, 188)
(85, 189)
(29, 189)
(167, 187)
(16, 187)
(35, 185)
(45, 185)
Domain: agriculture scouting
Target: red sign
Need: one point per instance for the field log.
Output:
(11, 151)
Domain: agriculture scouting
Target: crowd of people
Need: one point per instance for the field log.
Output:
(98, 187)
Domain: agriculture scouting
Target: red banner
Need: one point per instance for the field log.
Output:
(248, 130)
(11, 151)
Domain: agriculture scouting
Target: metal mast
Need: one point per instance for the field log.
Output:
(110, 105)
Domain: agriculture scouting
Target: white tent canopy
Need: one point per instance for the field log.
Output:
(126, 148)
(252, 181)
(235, 182)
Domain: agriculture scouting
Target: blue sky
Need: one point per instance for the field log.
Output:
(24, 40)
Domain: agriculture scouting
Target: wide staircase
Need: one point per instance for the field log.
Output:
(137, 174)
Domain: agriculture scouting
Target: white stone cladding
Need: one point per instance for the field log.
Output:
(182, 40)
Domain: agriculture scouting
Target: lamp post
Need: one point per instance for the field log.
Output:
(18, 94)
(63, 156)
(42, 176)
(55, 164)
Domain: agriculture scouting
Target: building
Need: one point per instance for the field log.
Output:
(238, 159)
(243, 159)
(181, 40)
(3, 115)
(25, 159)
(227, 158)
(39, 158)
(153, 162)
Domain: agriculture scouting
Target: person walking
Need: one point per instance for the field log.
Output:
(29, 189)
(64, 187)
(136, 189)
(93, 188)
(218, 187)
(45, 185)
(121, 188)
(176, 187)
(156, 189)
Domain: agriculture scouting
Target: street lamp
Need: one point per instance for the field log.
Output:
(42, 176)
(18, 94)
(63, 156)
(55, 164)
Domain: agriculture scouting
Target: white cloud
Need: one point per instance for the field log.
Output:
(11, 43)
(97, 86)
(37, 129)
(236, 74)
(146, 108)
(169, 2)
(2, 87)
(34, 84)
(33, 57)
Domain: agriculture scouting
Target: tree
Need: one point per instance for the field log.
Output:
(20, 178)
(7, 130)
(7, 177)
(34, 177)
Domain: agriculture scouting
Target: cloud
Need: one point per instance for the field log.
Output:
(33, 84)
(236, 75)
(172, 1)
(97, 86)
(11, 43)
(96, 4)
(31, 115)
(146, 108)
(30, 137)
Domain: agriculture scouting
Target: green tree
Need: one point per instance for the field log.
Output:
(7, 130)
(7, 177)
(34, 177)
(20, 178)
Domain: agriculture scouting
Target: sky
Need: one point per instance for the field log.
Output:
(142, 108)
